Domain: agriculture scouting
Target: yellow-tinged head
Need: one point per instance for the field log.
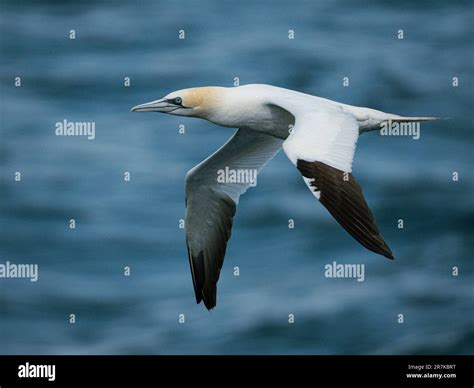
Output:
(196, 102)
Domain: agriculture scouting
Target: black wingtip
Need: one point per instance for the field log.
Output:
(196, 263)
(384, 250)
(209, 298)
(345, 201)
(208, 303)
(205, 291)
(209, 307)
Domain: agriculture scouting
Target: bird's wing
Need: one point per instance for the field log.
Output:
(322, 146)
(213, 188)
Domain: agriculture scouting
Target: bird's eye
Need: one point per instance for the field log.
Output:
(178, 100)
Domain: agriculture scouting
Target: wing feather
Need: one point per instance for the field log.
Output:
(211, 205)
(322, 147)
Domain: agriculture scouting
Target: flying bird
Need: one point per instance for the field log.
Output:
(319, 137)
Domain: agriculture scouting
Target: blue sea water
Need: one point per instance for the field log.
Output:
(136, 223)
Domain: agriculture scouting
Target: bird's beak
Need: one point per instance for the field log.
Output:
(162, 105)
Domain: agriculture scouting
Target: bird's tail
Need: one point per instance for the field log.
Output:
(415, 119)
(379, 122)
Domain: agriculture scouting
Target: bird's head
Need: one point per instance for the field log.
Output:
(193, 102)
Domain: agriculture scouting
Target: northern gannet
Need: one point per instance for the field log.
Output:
(319, 137)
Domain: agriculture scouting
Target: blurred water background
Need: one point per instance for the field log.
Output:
(281, 270)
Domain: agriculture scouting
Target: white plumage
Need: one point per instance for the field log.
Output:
(319, 137)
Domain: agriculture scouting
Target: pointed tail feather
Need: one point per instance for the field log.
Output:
(415, 119)
(376, 123)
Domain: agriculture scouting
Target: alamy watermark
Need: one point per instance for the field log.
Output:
(75, 128)
(399, 128)
(28, 370)
(14, 271)
(240, 175)
(335, 270)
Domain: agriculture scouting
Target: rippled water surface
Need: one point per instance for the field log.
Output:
(281, 270)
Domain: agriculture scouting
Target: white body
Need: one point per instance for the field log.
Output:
(319, 137)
